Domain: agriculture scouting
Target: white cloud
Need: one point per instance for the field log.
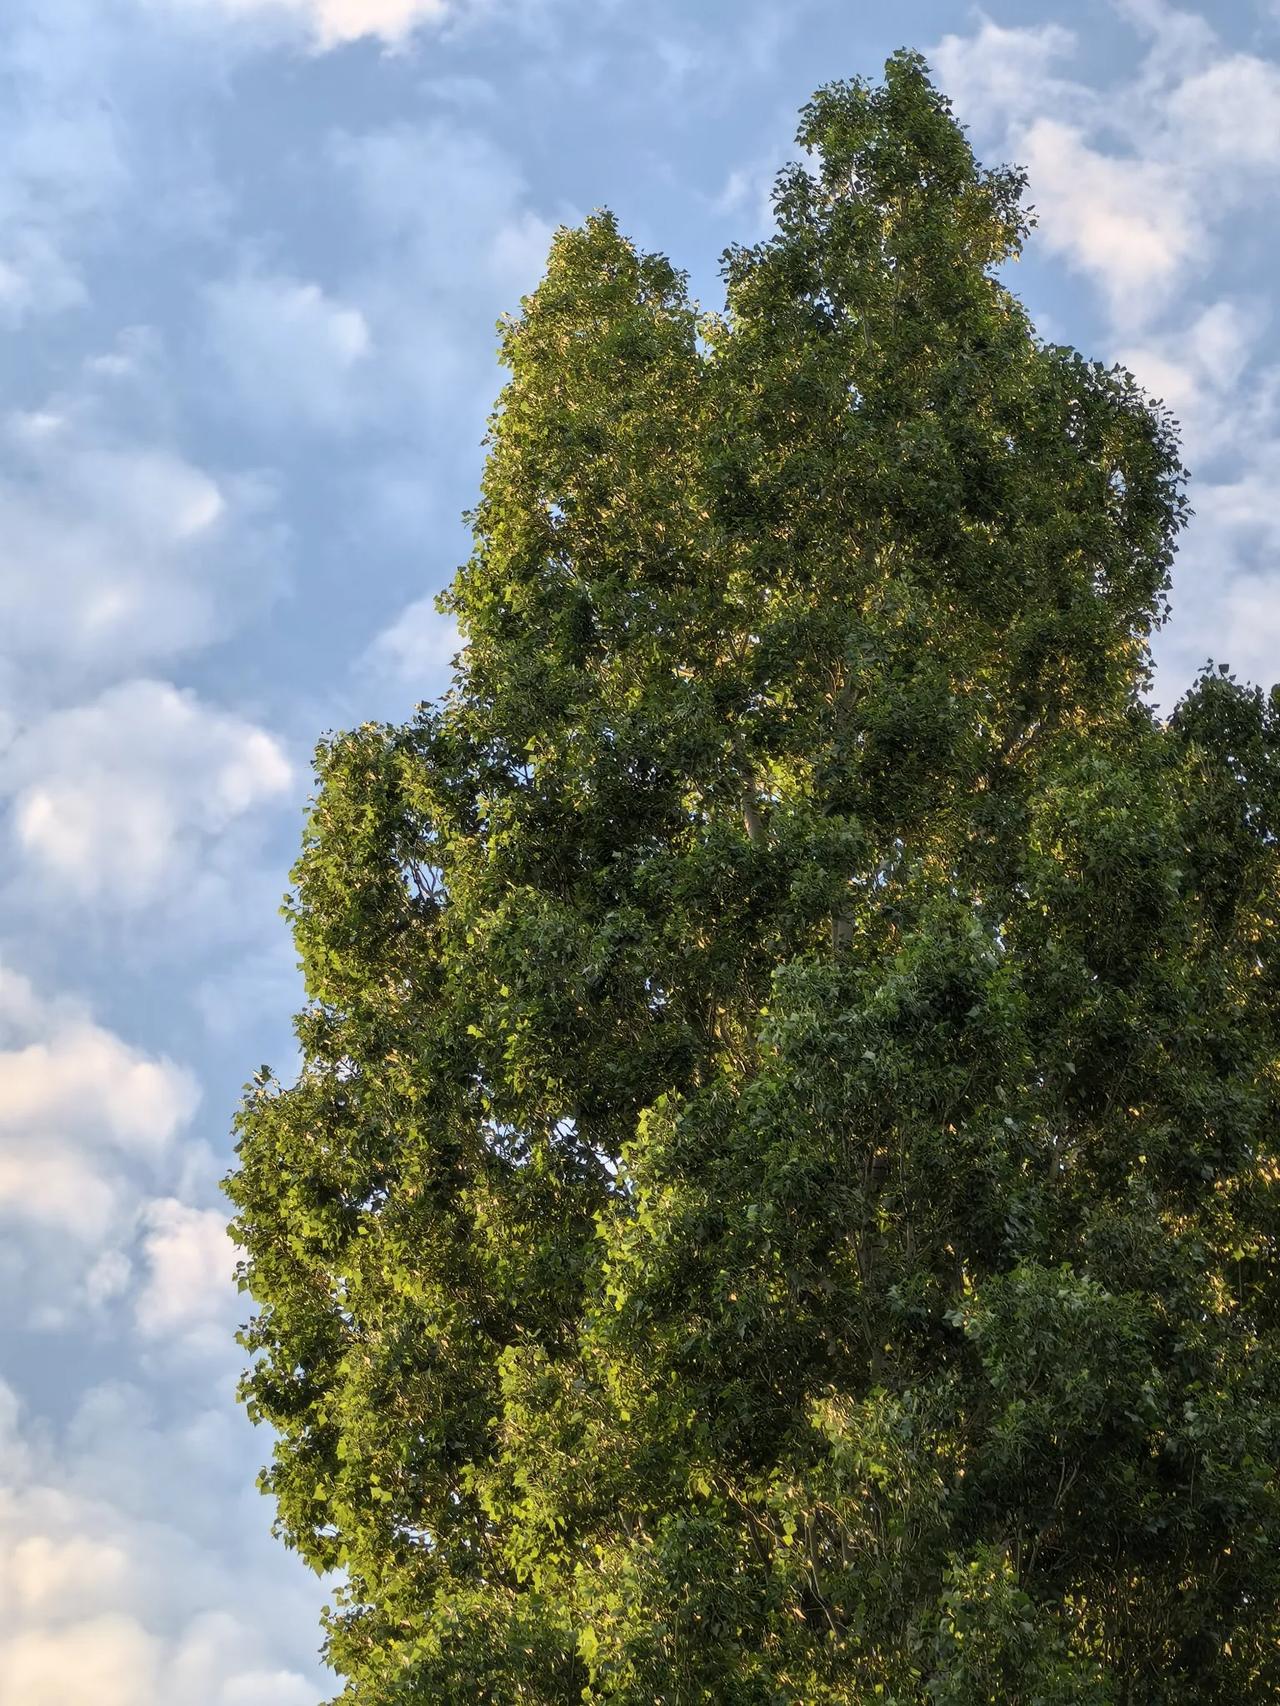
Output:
(446, 214)
(331, 23)
(107, 1660)
(45, 1571)
(84, 1076)
(44, 1180)
(291, 351)
(1229, 113)
(108, 1279)
(1241, 627)
(111, 1598)
(443, 238)
(1227, 593)
(99, 141)
(190, 1261)
(1206, 373)
(1132, 184)
(120, 800)
(1226, 397)
(35, 278)
(1178, 42)
(115, 1553)
(1006, 72)
(417, 650)
(63, 167)
(113, 550)
(1128, 222)
(77, 1106)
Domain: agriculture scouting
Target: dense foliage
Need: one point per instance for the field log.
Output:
(781, 1201)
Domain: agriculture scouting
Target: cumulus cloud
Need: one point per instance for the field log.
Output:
(70, 1194)
(452, 202)
(106, 1598)
(291, 351)
(1226, 398)
(121, 801)
(1205, 372)
(1178, 42)
(417, 650)
(135, 1564)
(1227, 590)
(86, 1075)
(115, 550)
(190, 1263)
(78, 1106)
(35, 277)
(441, 238)
(105, 1659)
(1131, 184)
(99, 138)
(1130, 223)
(108, 1279)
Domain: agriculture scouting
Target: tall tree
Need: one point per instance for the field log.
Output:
(781, 1200)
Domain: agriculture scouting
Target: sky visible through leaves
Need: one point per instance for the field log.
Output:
(251, 255)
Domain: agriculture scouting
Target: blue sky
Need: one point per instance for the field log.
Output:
(251, 256)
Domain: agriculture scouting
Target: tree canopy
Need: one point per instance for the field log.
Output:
(780, 1202)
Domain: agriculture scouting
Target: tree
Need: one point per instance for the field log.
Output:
(781, 1199)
